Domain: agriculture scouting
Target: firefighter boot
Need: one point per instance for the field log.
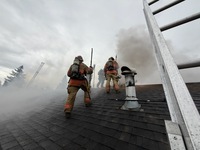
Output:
(88, 105)
(67, 114)
(88, 102)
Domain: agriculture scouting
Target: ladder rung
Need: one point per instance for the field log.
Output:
(180, 22)
(153, 2)
(167, 6)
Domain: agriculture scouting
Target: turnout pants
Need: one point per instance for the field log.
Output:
(72, 91)
(110, 77)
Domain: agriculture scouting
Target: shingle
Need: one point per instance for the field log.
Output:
(87, 133)
(115, 120)
(101, 147)
(124, 128)
(70, 135)
(7, 139)
(108, 131)
(112, 125)
(26, 142)
(138, 124)
(55, 137)
(52, 146)
(10, 144)
(110, 142)
(160, 137)
(139, 140)
(56, 129)
(15, 148)
(150, 144)
(143, 133)
(30, 146)
(156, 128)
(164, 146)
(135, 147)
(76, 128)
(4, 132)
(122, 145)
(125, 136)
(103, 123)
(133, 139)
(22, 138)
(90, 144)
(81, 140)
(72, 146)
(39, 138)
(93, 127)
(98, 137)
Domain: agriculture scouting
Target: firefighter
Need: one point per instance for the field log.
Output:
(77, 73)
(111, 73)
(101, 78)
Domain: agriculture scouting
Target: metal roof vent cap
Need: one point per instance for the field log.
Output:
(131, 101)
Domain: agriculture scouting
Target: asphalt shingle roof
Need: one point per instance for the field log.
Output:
(101, 127)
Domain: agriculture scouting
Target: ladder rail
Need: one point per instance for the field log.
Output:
(35, 75)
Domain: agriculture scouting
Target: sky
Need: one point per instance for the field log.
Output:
(56, 31)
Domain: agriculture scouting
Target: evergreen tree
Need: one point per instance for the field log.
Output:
(16, 78)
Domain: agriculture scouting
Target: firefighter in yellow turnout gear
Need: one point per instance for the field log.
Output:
(77, 73)
(111, 73)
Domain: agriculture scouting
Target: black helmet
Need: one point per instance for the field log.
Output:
(111, 59)
(80, 58)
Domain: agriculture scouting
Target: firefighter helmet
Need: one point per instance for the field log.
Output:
(80, 58)
(111, 59)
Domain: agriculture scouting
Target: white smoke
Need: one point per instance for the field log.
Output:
(18, 101)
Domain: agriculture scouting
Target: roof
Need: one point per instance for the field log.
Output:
(102, 126)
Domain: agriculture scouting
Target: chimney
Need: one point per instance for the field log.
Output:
(131, 101)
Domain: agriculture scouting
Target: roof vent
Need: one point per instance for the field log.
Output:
(131, 99)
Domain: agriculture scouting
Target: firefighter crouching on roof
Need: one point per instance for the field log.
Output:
(111, 73)
(77, 81)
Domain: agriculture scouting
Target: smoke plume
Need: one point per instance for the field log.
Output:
(134, 50)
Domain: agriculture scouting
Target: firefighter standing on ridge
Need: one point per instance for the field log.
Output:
(101, 78)
(77, 73)
(111, 73)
